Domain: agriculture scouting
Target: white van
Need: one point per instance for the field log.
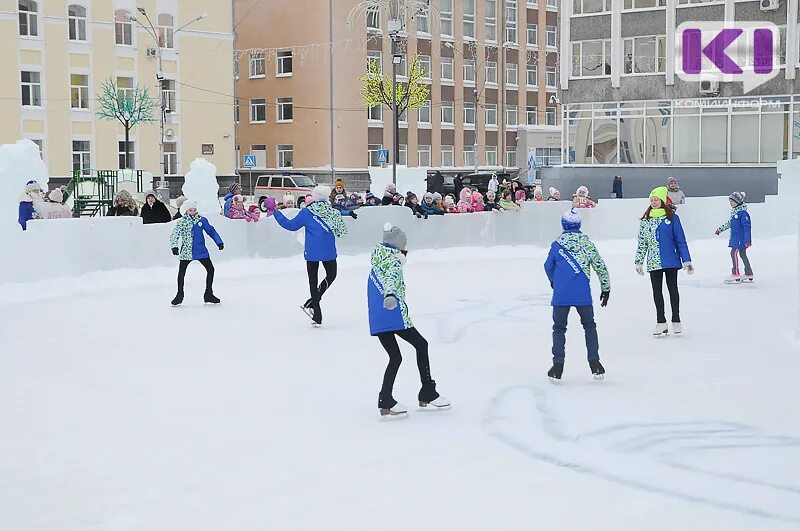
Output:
(277, 186)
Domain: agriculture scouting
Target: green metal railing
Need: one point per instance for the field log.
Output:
(93, 192)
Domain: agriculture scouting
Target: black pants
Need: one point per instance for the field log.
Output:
(735, 254)
(209, 273)
(658, 294)
(389, 342)
(317, 291)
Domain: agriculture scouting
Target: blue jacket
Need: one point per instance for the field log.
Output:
(188, 232)
(386, 278)
(321, 230)
(25, 213)
(227, 206)
(431, 210)
(663, 243)
(568, 266)
(739, 224)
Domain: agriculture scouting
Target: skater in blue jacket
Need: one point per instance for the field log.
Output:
(323, 224)
(188, 233)
(568, 266)
(741, 238)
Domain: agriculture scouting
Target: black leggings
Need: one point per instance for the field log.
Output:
(209, 273)
(389, 343)
(317, 291)
(658, 295)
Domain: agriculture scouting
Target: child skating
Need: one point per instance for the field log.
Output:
(568, 266)
(188, 234)
(740, 240)
(388, 320)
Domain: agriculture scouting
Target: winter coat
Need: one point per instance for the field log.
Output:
(386, 278)
(436, 183)
(489, 206)
(494, 185)
(740, 225)
(26, 213)
(189, 238)
(50, 210)
(387, 200)
(568, 266)
(616, 188)
(227, 205)
(323, 225)
(465, 204)
(241, 213)
(478, 206)
(417, 210)
(506, 204)
(677, 196)
(430, 210)
(122, 211)
(158, 213)
(585, 202)
(177, 215)
(662, 243)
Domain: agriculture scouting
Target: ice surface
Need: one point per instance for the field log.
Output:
(19, 163)
(201, 185)
(122, 413)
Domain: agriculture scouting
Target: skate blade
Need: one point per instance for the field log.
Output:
(427, 406)
(730, 282)
(554, 381)
(387, 414)
(662, 334)
(307, 311)
(599, 377)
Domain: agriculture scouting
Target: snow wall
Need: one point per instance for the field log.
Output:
(69, 247)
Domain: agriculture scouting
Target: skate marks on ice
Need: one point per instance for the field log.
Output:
(713, 463)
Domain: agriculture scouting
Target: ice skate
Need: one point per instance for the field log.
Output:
(308, 311)
(396, 410)
(661, 330)
(733, 279)
(555, 372)
(209, 298)
(440, 403)
(747, 279)
(677, 328)
(178, 299)
(598, 370)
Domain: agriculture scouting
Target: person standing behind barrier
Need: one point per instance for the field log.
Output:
(458, 183)
(675, 194)
(32, 194)
(154, 211)
(435, 183)
(124, 205)
(616, 187)
(189, 244)
(233, 190)
(662, 251)
(494, 184)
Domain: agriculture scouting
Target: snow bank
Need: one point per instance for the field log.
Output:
(201, 185)
(19, 163)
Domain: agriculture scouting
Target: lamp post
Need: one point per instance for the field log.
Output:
(151, 30)
(396, 59)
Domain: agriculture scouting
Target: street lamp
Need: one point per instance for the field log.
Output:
(151, 30)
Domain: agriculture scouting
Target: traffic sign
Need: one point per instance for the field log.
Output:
(249, 161)
(383, 156)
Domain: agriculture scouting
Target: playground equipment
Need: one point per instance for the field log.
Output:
(91, 192)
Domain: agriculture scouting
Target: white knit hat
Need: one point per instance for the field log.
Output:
(321, 192)
(189, 203)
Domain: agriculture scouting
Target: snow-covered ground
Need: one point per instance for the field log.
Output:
(120, 413)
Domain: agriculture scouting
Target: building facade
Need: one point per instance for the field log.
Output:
(58, 54)
(490, 65)
(627, 112)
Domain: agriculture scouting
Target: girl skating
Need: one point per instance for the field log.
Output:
(188, 233)
(740, 240)
(662, 244)
(388, 320)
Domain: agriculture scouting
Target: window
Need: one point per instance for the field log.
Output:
(236, 111)
(511, 115)
(491, 114)
(402, 68)
(130, 154)
(550, 76)
(40, 143)
(446, 17)
(425, 113)
(79, 91)
(550, 116)
(372, 154)
(469, 113)
(511, 21)
(491, 20)
(81, 156)
(28, 18)
(645, 55)
(424, 63)
(447, 112)
(259, 151)
(424, 155)
(552, 3)
(551, 35)
(403, 116)
(285, 110)
(125, 88)
(171, 158)
(285, 63)
(530, 114)
(402, 155)
(531, 34)
(585, 7)
(123, 32)
(258, 111)
(491, 72)
(644, 4)
(511, 157)
(31, 89)
(285, 156)
(469, 156)
(511, 74)
(257, 65)
(375, 113)
(469, 19)
(374, 19)
(422, 22)
(166, 31)
(491, 155)
(591, 58)
(447, 156)
(469, 70)
(374, 60)
(447, 68)
(532, 74)
(77, 23)
(169, 93)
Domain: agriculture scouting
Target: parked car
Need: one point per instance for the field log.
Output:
(277, 186)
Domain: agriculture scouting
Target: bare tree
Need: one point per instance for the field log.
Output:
(128, 106)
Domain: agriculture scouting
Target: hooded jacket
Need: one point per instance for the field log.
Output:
(568, 266)
(739, 225)
(189, 238)
(158, 213)
(323, 224)
(465, 204)
(386, 278)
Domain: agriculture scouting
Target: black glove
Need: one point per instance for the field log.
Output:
(353, 215)
(221, 246)
(175, 251)
(604, 298)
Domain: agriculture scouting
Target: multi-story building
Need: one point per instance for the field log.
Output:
(491, 67)
(627, 112)
(57, 55)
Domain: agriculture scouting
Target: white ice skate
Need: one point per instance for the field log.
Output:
(662, 329)
(439, 403)
(395, 411)
(733, 279)
(677, 328)
(747, 278)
